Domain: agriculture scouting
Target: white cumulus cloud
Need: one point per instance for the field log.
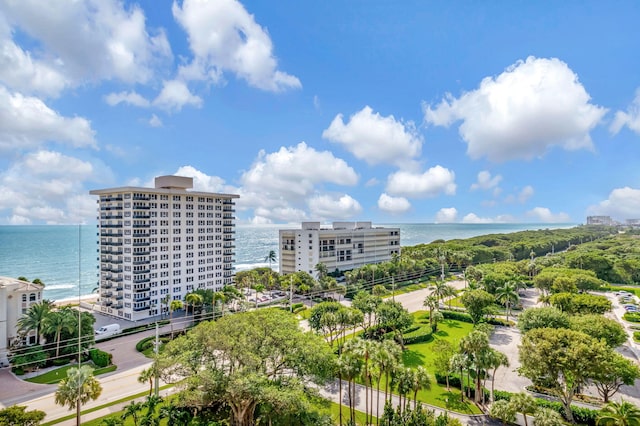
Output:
(48, 186)
(433, 182)
(86, 40)
(532, 106)
(525, 194)
(224, 37)
(486, 181)
(376, 139)
(327, 207)
(543, 214)
(202, 181)
(174, 95)
(447, 215)
(130, 98)
(393, 205)
(622, 203)
(629, 118)
(27, 122)
(296, 170)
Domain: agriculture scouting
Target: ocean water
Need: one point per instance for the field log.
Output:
(65, 258)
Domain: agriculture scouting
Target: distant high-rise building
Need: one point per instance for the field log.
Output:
(344, 246)
(600, 220)
(158, 244)
(15, 299)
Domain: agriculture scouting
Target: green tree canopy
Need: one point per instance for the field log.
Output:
(600, 327)
(246, 361)
(18, 415)
(561, 359)
(546, 317)
(476, 302)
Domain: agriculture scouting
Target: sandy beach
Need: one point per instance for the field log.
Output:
(87, 298)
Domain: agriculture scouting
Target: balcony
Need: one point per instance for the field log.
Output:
(141, 225)
(111, 208)
(141, 308)
(141, 244)
(111, 225)
(112, 243)
(119, 296)
(141, 287)
(110, 233)
(110, 199)
(118, 306)
(141, 271)
(140, 198)
(141, 253)
(106, 294)
(141, 262)
(141, 280)
(138, 207)
(141, 235)
(142, 299)
(110, 216)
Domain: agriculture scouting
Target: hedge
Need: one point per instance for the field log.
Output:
(100, 358)
(632, 316)
(581, 415)
(458, 316)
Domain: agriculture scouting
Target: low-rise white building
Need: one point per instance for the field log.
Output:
(343, 246)
(15, 299)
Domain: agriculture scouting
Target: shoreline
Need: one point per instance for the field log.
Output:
(87, 298)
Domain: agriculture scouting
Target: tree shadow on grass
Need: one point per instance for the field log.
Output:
(441, 333)
(452, 323)
(412, 358)
(452, 402)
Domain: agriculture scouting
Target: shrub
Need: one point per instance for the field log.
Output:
(499, 321)
(60, 362)
(299, 309)
(423, 336)
(632, 316)
(100, 358)
(145, 344)
(636, 336)
(458, 316)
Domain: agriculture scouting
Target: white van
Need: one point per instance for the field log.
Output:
(108, 330)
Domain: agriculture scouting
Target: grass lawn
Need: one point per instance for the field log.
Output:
(54, 376)
(335, 414)
(422, 354)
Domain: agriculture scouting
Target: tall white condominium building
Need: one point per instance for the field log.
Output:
(158, 244)
(344, 246)
(15, 299)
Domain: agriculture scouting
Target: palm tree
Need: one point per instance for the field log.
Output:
(459, 362)
(175, 415)
(524, 403)
(619, 414)
(548, 417)
(495, 360)
(193, 299)
(421, 380)
(431, 302)
(365, 350)
(132, 410)
(58, 321)
(147, 374)
(33, 318)
(174, 306)
(322, 271)
(271, 257)
(77, 389)
(441, 289)
(508, 295)
(111, 421)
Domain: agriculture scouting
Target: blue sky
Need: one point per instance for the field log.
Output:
(414, 111)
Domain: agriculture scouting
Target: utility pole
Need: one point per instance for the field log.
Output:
(291, 294)
(155, 363)
(393, 289)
